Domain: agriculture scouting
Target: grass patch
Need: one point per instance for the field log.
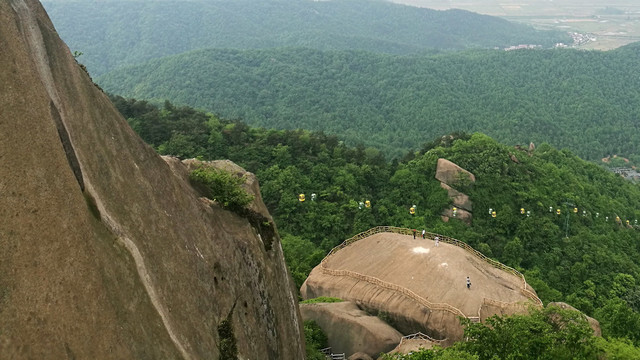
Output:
(321, 299)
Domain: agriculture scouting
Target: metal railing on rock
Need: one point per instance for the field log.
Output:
(446, 239)
(397, 288)
(329, 355)
(421, 336)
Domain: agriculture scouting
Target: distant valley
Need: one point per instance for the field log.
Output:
(610, 24)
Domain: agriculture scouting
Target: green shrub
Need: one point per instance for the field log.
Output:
(315, 339)
(227, 345)
(222, 187)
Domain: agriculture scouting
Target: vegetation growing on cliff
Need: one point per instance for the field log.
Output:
(222, 187)
(227, 346)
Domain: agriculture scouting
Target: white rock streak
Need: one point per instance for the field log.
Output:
(148, 285)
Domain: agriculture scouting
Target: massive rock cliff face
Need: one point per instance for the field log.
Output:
(106, 251)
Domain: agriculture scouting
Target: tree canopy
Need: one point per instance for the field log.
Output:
(552, 334)
(583, 101)
(586, 255)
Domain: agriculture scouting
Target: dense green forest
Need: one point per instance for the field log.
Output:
(587, 258)
(588, 102)
(116, 33)
(549, 334)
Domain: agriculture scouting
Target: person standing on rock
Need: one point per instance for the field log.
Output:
(423, 232)
(468, 283)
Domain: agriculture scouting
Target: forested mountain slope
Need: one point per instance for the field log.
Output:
(114, 33)
(587, 257)
(588, 102)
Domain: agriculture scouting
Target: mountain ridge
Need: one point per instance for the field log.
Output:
(395, 103)
(112, 34)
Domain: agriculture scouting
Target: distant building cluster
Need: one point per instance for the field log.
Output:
(578, 39)
(627, 173)
(518, 47)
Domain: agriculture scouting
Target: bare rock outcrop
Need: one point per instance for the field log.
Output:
(351, 330)
(460, 200)
(452, 174)
(593, 323)
(107, 251)
(421, 287)
(453, 178)
(460, 214)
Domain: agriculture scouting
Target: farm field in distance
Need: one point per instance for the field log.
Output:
(610, 24)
